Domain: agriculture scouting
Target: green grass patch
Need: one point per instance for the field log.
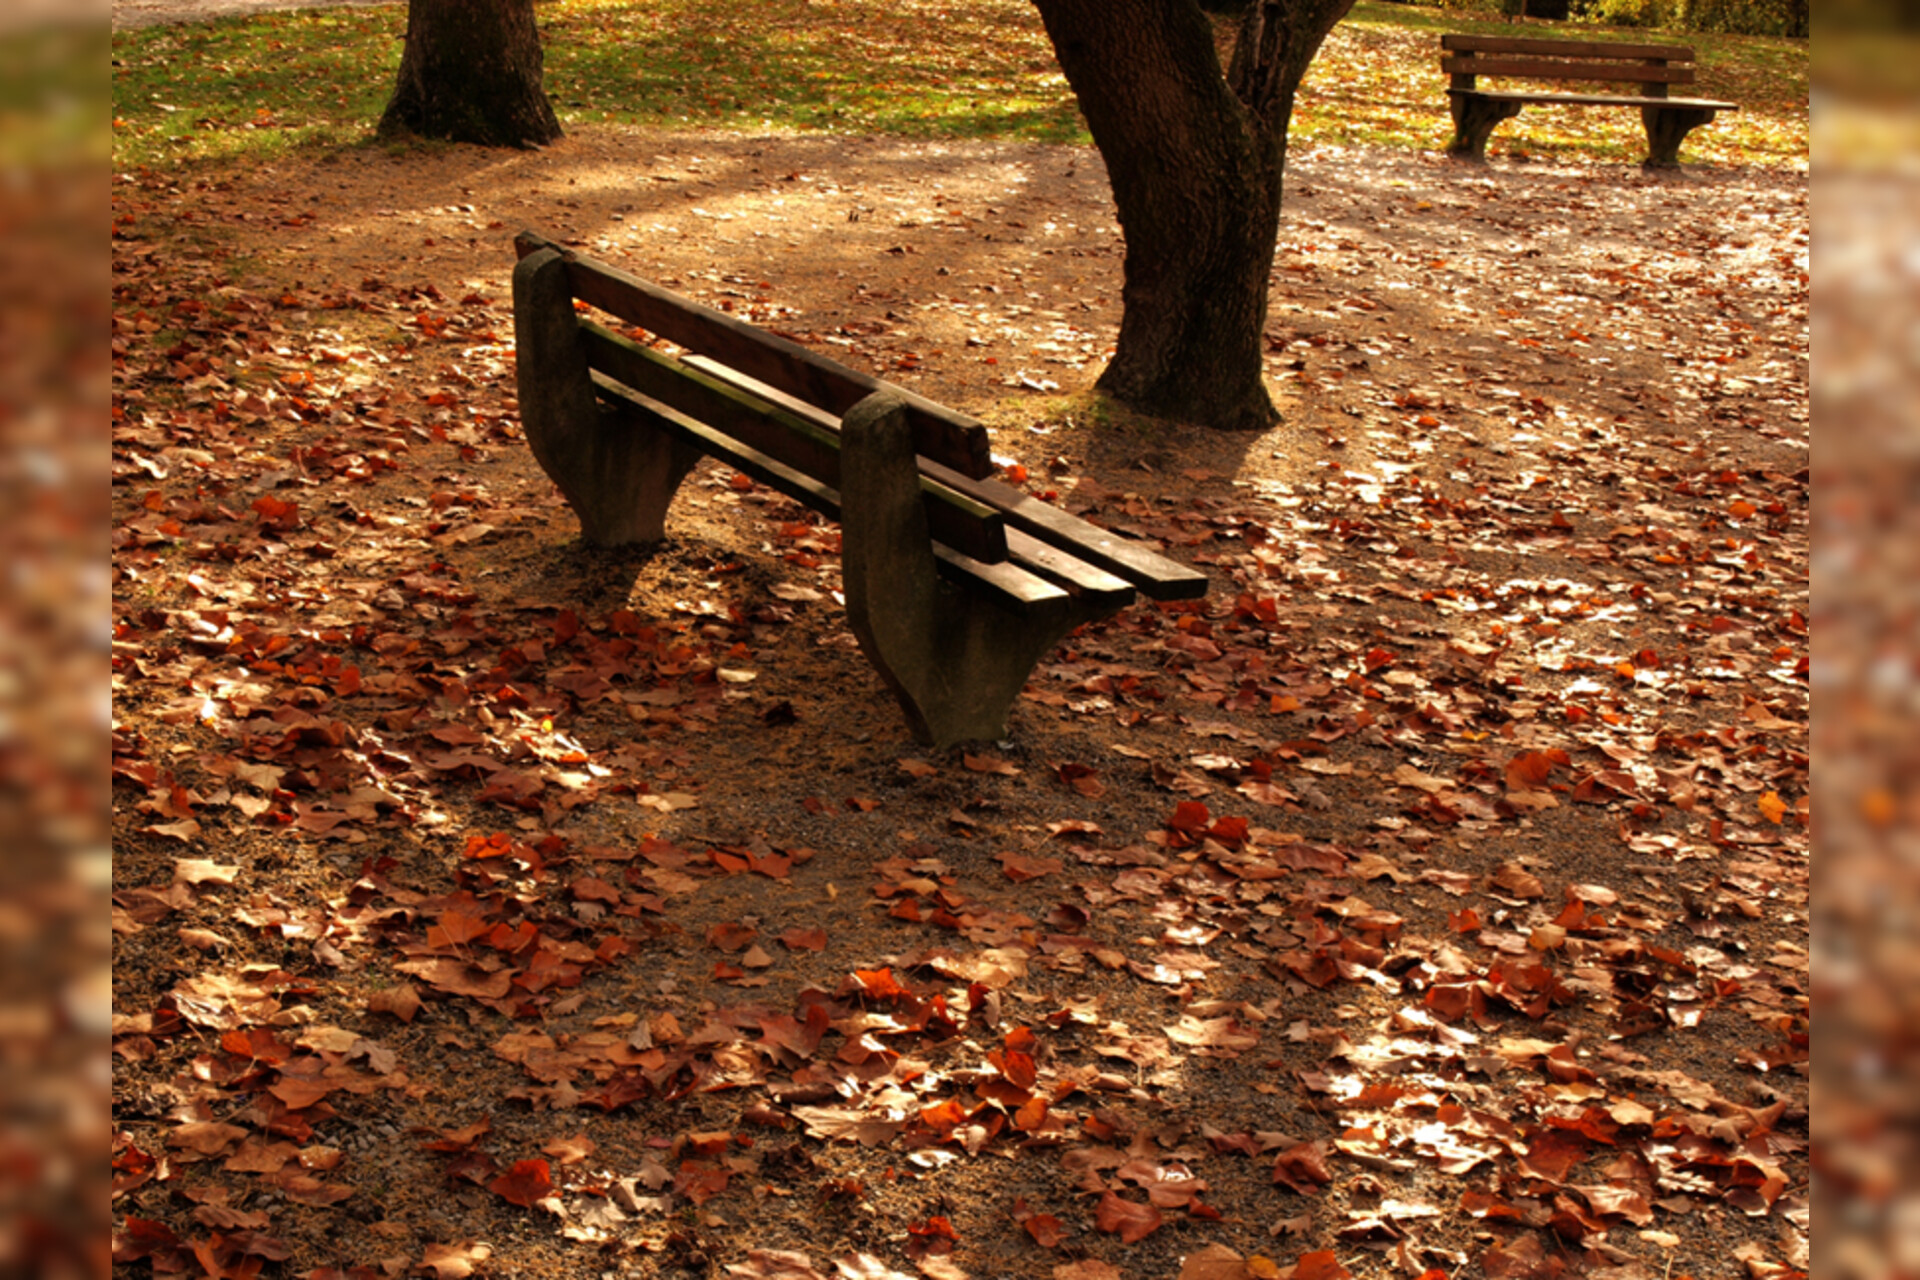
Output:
(251, 88)
(51, 110)
(1377, 81)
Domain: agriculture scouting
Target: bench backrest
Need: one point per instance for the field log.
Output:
(945, 435)
(1651, 66)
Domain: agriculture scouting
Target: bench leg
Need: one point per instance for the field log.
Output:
(618, 476)
(954, 661)
(1473, 121)
(1667, 128)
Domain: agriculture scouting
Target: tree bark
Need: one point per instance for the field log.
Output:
(1196, 156)
(472, 71)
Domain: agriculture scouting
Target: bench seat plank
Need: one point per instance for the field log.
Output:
(1157, 577)
(939, 432)
(1545, 69)
(1593, 99)
(1088, 583)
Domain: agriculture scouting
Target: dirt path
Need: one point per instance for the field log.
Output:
(1497, 711)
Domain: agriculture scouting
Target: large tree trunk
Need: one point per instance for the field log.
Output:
(472, 72)
(1196, 158)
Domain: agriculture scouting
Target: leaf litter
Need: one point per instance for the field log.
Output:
(1433, 896)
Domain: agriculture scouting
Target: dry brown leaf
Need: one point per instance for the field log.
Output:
(454, 1261)
(1213, 1262)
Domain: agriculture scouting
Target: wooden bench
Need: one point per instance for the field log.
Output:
(1651, 68)
(956, 584)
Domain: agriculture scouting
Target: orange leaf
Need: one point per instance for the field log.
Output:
(1773, 807)
(1320, 1266)
(1529, 770)
(1031, 1116)
(525, 1183)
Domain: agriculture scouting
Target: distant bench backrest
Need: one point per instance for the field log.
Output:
(1653, 67)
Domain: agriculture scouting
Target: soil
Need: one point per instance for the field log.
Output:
(1519, 403)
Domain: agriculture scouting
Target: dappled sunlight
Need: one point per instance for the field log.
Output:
(1431, 897)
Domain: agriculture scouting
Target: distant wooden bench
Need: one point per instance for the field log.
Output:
(956, 584)
(1651, 68)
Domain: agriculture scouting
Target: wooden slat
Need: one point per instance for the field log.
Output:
(939, 432)
(960, 521)
(769, 471)
(1157, 577)
(1007, 584)
(1084, 582)
(1012, 584)
(1596, 99)
(1463, 43)
(785, 436)
(1545, 69)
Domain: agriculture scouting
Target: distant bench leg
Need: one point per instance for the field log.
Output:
(1473, 121)
(1667, 128)
(617, 476)
(955, 661)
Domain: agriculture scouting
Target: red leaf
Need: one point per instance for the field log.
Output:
(1190, 817)
(525, 1183)
(1046, 1230)
(1529, 770)
(1122, 1217)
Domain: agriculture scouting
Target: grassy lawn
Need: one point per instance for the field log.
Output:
(254, 87)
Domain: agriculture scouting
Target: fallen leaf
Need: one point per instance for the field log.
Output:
(1047, 1231)
(1128, 1219)
(775, 1264)
(454, 1261)
(1303, 1167)
(202, 871)
(570, 1150)
(1321, 1265)
(864, 1266)
(1213, 1262)
(401, 1001)
(526, 1182)
(1087, 1269)
(1518, 881)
